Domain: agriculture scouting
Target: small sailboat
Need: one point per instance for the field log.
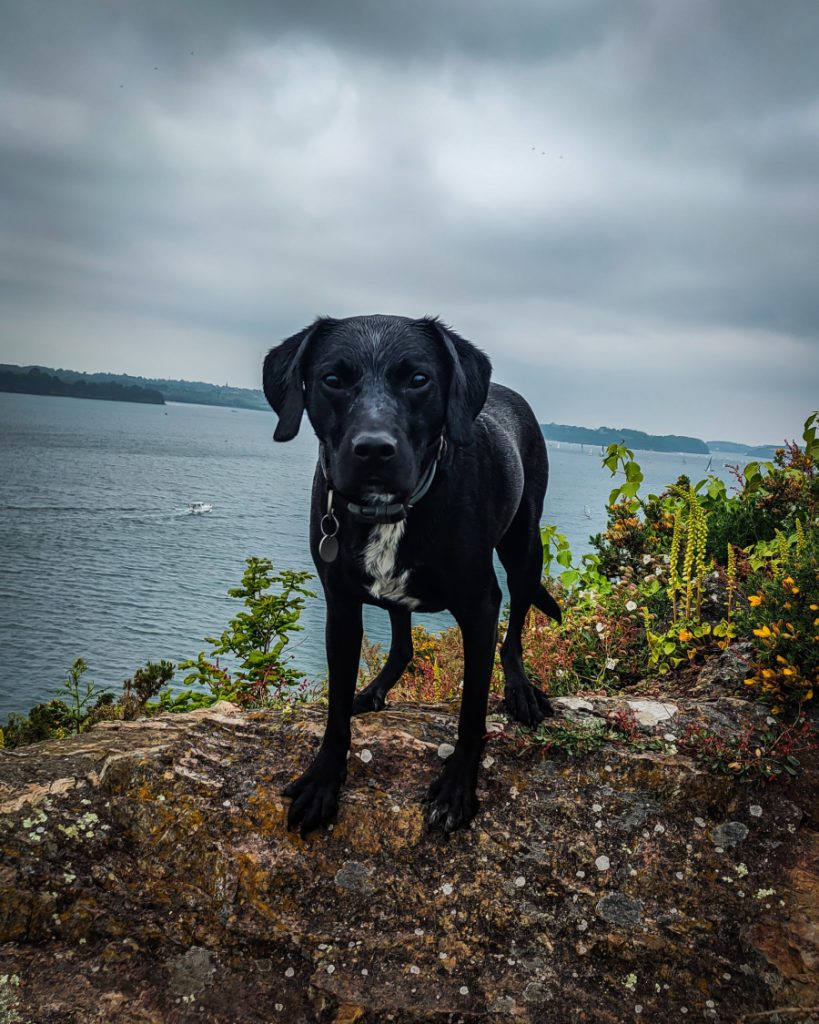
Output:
(198, 508)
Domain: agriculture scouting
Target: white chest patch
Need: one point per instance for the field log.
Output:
(379, 562)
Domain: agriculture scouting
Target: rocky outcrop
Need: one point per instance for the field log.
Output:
(147, 876)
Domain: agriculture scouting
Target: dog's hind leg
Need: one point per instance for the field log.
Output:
(373, 696)
(521, 554)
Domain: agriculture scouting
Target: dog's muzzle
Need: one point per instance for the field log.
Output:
(376, 512)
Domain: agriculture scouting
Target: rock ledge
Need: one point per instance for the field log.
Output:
(147, 876)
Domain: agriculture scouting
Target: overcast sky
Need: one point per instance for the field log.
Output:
(618, 201)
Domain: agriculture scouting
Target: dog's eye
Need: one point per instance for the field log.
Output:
(332, 380)
(418, 380)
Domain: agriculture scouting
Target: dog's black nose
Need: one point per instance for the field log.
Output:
(374, 446)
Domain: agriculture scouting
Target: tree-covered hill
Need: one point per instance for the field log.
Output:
(605, 436)
(190, 391)
(35, 381)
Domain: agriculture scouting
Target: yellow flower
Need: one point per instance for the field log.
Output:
(794, 590)
(685, 636)
(767, 672)
(788, 581)
(763, 632)
(781, 660)
(809, 695)
(754, 600)
(775, 711)
(814, 607)
(788, 671)
(788, 605)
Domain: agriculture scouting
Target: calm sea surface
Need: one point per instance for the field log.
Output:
(100, 559)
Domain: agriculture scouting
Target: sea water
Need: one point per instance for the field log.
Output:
(100, 557)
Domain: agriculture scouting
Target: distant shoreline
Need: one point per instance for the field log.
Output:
(186, 392)
(638, 440)
(39, 382)
(635, 439)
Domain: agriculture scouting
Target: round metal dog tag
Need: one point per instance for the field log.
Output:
(328, 548)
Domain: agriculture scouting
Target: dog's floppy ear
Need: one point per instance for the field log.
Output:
(283, 380)
(469, 384)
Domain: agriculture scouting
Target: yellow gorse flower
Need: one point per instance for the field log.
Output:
(754, 600)
(763, 632)
(685, 635)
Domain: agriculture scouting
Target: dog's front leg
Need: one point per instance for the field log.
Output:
(453, 802)
(315, 794)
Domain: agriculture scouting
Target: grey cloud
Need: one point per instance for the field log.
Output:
(596, 192)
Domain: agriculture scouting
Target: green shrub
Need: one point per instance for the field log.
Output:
(143, 686)
(782, 616)
(43, 722)
(79, 696)
(257, 638)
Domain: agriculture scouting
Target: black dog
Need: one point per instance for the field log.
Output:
(424, 469)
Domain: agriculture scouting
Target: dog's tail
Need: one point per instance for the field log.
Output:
(544, 602)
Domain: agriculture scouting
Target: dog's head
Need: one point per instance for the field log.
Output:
(379, 392)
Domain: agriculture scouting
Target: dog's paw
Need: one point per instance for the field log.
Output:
(526, 703)
(451, 798)
(314, 798)
(368, 700)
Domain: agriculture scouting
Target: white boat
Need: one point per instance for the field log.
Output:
(198, 508)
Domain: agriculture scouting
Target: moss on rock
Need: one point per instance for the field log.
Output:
(147, 876)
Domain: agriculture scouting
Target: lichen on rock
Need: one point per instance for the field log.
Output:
(147, 876)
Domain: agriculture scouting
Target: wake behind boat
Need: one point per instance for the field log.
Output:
(198, 508)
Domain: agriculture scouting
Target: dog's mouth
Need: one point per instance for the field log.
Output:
(373, 488)
(385, 484)
(378, 496)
